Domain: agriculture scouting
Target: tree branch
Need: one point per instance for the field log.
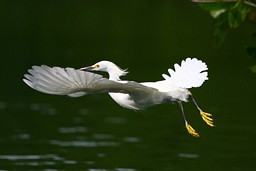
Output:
(206, 1)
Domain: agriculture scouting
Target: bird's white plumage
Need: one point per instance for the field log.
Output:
(128, 94)
(60, 81)
(191, 73)
(76, 83)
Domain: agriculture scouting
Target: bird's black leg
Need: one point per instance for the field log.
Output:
(207, 117)
(182, 111)
(189, 128)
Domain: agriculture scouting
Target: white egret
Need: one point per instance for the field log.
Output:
(129, 94)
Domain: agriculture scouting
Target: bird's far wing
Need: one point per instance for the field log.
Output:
(75, 83)
(191, 73)
(143, 94)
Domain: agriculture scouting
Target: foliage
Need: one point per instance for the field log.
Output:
(230, 14)
(251, 51)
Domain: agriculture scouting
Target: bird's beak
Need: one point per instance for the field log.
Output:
(88, 68)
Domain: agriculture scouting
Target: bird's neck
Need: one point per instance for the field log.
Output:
(115, 73)
(113, 76)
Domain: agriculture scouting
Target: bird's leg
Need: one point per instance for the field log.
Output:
(189, 128)
(207, 117)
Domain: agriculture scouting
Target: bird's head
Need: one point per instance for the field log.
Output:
(106, 66)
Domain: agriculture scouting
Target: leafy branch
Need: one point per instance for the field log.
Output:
(230, 14)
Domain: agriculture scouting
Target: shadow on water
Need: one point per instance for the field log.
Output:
(50, 133)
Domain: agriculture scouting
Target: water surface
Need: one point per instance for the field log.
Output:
(53, 133)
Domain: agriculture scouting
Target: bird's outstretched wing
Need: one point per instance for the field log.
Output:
(191, 73)
(75, 83)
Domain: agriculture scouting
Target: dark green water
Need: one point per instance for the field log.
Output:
(52, 133)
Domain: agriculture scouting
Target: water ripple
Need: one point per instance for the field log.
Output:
(45, 108)
(102, 136)
(3, 105)
(115, 120)
(187, 155)
(31, 157)
(71, 130)
(117, 169)
(23, 136)
(84, 143)
(131, 139)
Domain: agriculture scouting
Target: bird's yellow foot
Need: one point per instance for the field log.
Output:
(191, 130)
(207, 117)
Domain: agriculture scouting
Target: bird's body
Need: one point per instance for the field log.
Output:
(128, 94)
(162, 95)
(167, 92)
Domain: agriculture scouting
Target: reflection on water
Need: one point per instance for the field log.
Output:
(43, 136)
(102, 136)
(71, 130)
(20, 136)
(49, 160)
(45, 108)
(3, 105)
(115, 120)
(84, 143)
(131, 139)
(185, 155)
(35, 160)
(30, 157)
(60, 138)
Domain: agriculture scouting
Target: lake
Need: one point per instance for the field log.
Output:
(55, 133)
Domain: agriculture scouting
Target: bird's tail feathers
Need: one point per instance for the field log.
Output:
(191, 73)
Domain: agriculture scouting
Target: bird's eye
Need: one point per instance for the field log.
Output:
(96, 66)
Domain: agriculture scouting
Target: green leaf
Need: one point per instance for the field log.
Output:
(217, 13)
(216, 8)
(220, 34)
(221, 29)
(251, 51)
(253, 68)
(237, 14)
(226, 15)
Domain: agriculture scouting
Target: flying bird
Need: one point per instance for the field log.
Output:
(174, 87)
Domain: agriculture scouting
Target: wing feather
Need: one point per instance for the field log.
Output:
(75, 83)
